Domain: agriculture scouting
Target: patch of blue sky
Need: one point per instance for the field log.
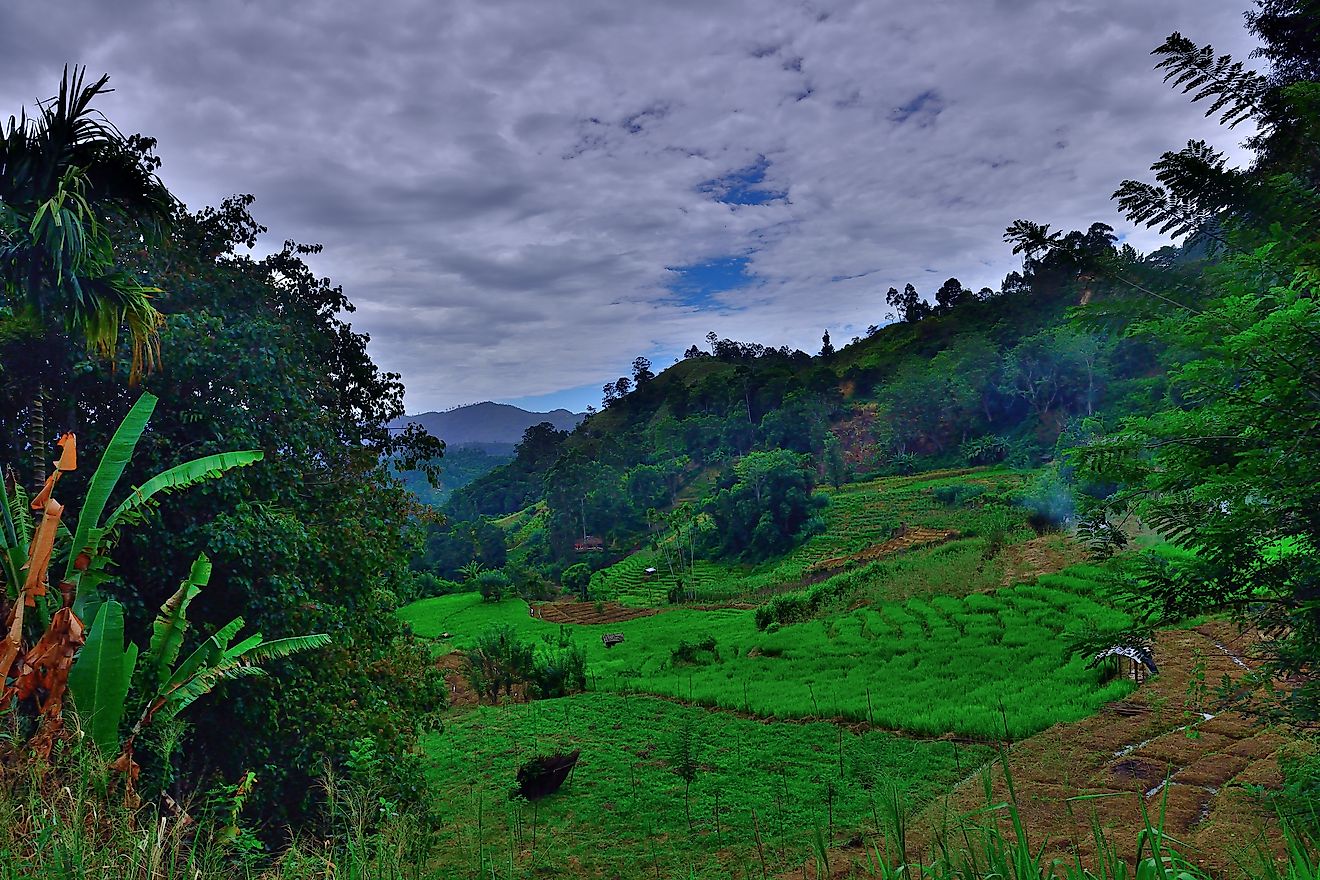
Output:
(922, 109)
(697, 285)
(572, 399)
(743, 186)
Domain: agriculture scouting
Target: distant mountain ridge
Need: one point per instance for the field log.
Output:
(487, 423)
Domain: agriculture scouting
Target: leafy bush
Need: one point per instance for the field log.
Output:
(492, 585)
(425, 585)
(576, 578)
(701, 651)
(957, 493)
(985, 450)
(560, 668)
(499, 661)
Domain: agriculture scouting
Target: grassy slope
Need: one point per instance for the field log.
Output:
(925, 642)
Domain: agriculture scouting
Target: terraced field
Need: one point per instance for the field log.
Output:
(887, 649)
(628, 583)
(977, 666)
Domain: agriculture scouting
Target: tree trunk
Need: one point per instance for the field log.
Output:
(39, 444)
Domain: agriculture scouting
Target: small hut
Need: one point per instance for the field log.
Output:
(589, 544)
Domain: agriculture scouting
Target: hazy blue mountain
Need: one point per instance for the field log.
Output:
(488, 423)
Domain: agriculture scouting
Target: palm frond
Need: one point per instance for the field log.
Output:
(1031, 238)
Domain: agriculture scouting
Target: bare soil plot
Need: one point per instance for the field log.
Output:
(587, 613)
(1047, 554)
(1158, 748)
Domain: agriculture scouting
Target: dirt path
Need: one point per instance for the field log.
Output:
(1162, 746)
(1166, 746)
(912, 538)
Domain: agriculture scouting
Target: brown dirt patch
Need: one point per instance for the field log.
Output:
(461, 694)
(1132, 752)
(1128, 750)
(1047, 554)
(571, 611)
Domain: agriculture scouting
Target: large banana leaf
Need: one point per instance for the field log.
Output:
(101, 675)
(277, 648)
(237, 662)
(179, 477)
(167, 632)
(13, 541)
(208, 653)
(111, 467)
(203, 683)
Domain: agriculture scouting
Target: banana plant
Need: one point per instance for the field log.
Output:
(47, 651)
(99, 681)
(87, 561)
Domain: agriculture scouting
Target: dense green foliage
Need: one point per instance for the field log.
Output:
(1228, 464)
(312, 539)
(460, 466)
(788, 504)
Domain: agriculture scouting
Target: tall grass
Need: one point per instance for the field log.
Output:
(69, 821)
(76, 829)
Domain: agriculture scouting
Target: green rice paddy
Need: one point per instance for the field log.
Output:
(623, 813)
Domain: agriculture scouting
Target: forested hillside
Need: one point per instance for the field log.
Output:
(974, 378)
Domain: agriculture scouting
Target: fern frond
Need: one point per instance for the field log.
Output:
(1233, 88)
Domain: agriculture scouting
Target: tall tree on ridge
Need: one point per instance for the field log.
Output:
(826, 347)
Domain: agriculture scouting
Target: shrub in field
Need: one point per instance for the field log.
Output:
(501, 660)
(576, 579)
(956, 493)
(559, 668)
(498, 661)
(703, 650)
(492, 585)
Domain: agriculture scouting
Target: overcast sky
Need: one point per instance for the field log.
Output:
(522, 196)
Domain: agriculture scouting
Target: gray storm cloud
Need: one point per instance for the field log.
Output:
(503, 187)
